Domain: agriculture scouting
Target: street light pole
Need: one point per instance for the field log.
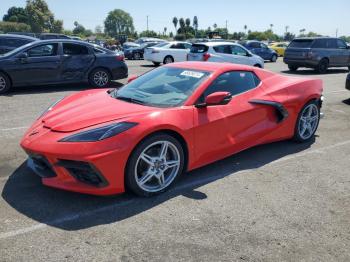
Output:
(147, 25)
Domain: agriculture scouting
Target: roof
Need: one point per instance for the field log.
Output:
(19, 36)
(209, 66)
(216, 43)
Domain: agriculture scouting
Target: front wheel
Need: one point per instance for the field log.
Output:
(307, 122)
(168, 59)
(99, 77)
(154, 165)
(274, 58)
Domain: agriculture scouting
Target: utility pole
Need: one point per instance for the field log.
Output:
(147, 25)
(226, 30)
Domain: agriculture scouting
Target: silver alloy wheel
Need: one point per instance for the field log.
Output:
(308, 121)
(101, 78)
(168, 60)
(2, 83)
(157, 166)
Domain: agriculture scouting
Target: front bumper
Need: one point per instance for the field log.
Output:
(90, 168)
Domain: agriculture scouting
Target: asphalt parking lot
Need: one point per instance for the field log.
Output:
(277, 202)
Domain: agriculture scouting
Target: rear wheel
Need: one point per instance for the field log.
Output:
(137, 56)
(307, 122)
(154, 165)
(292, 68)
(274, 58)
(5, 83)
(322, 66)
(168, 59)
(100, 77)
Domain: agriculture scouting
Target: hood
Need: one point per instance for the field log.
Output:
(89, 108)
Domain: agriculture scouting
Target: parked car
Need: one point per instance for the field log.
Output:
(168, 52)
(347, 85)
(47, 36)
(60, 61)
(224, 52)
(136, 53)
(142, 40)
(279, 47)
(261, 50)
(319, 53)
(128, 45)
(173, 119)
(23, 33)
(8, 42)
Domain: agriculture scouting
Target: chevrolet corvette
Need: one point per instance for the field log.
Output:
(173, 119)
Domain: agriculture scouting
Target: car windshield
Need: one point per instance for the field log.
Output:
(162, 87)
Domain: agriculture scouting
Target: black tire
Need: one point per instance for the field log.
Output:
(292, 68)
(322, 66)
(297, 134)
(130, 176)
(5, 83)
(156, 63)
(102, 81)
(137, 56)
(168, 59)
(273, 58)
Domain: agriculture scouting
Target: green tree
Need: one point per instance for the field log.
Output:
(188, 22)
(78, 29)
(182, 23)
(149, 33)
(14, 27)
(40, 18)
(175, 21)
(57, 26)
(119, 22)
(16, 14)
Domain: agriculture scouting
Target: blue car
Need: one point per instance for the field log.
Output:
(261, 50)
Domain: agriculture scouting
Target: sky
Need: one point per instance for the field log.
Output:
(321, 16)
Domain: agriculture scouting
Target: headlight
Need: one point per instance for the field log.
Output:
(50, 108)
(100, 133)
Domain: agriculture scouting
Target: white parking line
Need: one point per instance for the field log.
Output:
(198, 182)
(13, 128)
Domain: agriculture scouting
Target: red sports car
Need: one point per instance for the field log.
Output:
(172, 119)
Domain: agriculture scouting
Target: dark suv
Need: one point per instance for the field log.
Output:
(319, 53)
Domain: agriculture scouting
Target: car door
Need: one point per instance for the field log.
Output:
(36, 65)
(223, 54)
(344, 53)
(240, 56)
(225, 129)
(265, 52)
(255, 48)
(77, 59)
(179, 52)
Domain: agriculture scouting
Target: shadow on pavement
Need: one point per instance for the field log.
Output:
(307, 71)
(71, 211)
(27, 90)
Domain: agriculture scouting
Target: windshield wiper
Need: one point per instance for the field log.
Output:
(129, 99)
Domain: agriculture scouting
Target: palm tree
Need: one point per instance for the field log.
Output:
(215, 25)
(195, 25)
(188, 22)
(182, 23)
(165, 29)
(271, 26)
(175, 23)
(286, 27)
(245, 29)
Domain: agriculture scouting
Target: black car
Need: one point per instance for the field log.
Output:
(319, 53)
(60, 61)
(8, 42)
(347, 85)
(137, 52)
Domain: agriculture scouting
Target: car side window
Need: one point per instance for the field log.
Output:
(235, 82)
(74, 49)
(263, 46)
(341, 44)
(320, 43)
(188, 46)
(43, 50)
(237, 50)
(254, 45)
(223, 49)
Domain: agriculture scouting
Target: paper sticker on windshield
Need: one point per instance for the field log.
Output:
(192, 74)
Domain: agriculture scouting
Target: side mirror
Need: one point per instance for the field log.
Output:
(217, 98)
(132, 78)
(23, 55)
